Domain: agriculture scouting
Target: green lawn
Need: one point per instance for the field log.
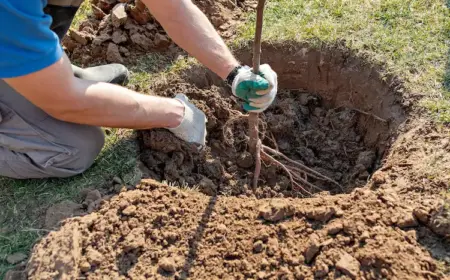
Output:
(410, 38)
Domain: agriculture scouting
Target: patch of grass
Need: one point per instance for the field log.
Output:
(24, 201)
(411, 38)
(154, 68)
(83, 12)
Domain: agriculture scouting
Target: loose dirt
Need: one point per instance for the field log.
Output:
(390, 221)
(158, 231)
(118, 31)
(326, 140)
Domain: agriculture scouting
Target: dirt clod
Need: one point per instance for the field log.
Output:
(276, 211)
(16, 258)
(348, 265)
(408, 220)
(167, 265)
(312, 248)
(245, 160)
(113, 54)
(62, 211)
(119, 15)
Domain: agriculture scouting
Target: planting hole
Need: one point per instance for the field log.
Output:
(334, 113)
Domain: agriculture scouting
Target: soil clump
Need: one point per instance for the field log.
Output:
(296, 124)
(118, 31)
(158, 231)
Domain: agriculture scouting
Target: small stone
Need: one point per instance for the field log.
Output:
(312, 248)
(365, 235)
(322, 214)
(161, 41)
(421, 215)
(334, 227)
(117, 180)
(258, 246)
(167, 265)
(113, 54)
(407, 221)
(222, 228)
(245, 160)
(275, 211)
(92, 196)
(348, 265)
(85, 266)
(16, 258)
(119, 15)
(130, 210)
(78, 36)
(94, 257)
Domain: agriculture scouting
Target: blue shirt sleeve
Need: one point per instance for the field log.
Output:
(27, 44)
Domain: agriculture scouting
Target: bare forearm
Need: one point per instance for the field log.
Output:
(192, 31)
(108, 105)
(56, 91)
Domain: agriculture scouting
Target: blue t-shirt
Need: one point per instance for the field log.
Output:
(27, 44)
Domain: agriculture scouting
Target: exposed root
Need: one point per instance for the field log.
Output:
(257, 164)
(299, 167)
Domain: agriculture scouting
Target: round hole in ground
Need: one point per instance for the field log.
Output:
(334, 114)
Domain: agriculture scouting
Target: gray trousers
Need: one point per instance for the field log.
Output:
(35, 145)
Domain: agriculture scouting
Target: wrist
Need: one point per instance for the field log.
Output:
(175, 113)
(232, 75)
(228, 69)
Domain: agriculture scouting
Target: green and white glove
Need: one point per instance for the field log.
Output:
(193, 126)
(258, 91)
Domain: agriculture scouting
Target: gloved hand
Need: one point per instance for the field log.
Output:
(193, 126)
(258, 91)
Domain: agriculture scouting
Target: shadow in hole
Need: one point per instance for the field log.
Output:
(438, 247)
(195, 240)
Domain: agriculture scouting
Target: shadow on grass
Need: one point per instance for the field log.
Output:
(24, 202)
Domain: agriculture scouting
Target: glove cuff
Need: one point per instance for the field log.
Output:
(230, 78)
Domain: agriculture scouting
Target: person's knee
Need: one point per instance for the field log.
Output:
(87, 147)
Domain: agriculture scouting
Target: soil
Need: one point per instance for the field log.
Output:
(390, 221)
(297, 124)
(119, 31)
(158, 232)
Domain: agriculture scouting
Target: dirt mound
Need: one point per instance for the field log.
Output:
(297, 124)
(120, 30)
(159, 231)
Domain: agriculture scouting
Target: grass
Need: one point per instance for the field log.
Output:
(410, 38)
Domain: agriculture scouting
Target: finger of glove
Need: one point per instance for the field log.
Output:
(249, 88)
(270, 76)
(198, 132)
(262, 99)
(247, 107)
(182, 97)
